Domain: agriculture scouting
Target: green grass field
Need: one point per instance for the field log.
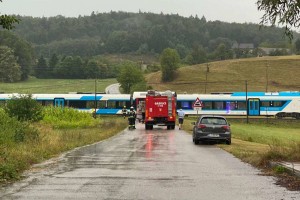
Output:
(34, 86)
(230, 75)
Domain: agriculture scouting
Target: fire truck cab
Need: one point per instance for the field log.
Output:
(160, 109)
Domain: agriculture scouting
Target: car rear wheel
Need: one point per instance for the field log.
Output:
(228, 142)
(196, 141)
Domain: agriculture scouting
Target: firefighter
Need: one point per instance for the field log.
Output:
(131, 118)
(124, 111)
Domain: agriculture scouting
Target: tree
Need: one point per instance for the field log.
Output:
(24, 108)
(169, 61)
(10, 71)
(281, 12)
(41, 69)
(52, 64)
(129, 76)
(7, 21)
(222, 52)
(198, 54)
(21, 49)
(70, 67)
(297, 46)
(92, 70)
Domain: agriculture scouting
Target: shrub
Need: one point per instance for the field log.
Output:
(67, 117)
(24, 108)
(13, 131)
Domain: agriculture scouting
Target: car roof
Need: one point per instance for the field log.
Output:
(212, 116)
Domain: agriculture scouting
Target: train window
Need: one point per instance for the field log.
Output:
(77, 104)
(218, 105)
(207, 105)
(91, 104)
(112, 104)
(265, 103)
(241, 105)
(278, 103)
(231, 105)
(121, 104)
(47, 103)
(184, 104)
(101, 104)
(178, 104)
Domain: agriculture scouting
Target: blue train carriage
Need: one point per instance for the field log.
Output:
(109, 104)
(278, 104)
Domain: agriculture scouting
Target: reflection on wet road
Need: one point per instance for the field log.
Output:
(153, 164)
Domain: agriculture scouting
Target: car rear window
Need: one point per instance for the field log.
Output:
(213, 120)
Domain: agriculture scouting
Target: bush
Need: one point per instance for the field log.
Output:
(24, 108)
(67, 117)
(12, 133)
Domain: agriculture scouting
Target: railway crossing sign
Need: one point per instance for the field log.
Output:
(197, 103)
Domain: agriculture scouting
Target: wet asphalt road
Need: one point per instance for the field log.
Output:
(153, 164)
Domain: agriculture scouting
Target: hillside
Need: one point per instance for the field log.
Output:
(230, 75)
(122, 32)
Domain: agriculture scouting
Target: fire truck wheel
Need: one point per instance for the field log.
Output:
(148, 127)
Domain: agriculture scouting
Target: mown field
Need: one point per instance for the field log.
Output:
(262, 74)
(34, 86)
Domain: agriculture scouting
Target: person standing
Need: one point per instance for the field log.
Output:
(131, 118)
(180, 118)
(124, 111)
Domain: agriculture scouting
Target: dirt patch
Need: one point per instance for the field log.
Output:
(288, 181)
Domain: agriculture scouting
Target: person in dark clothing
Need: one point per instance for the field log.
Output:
(131, 118)
(124, 111)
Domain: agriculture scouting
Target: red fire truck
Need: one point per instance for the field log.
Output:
(160, 109)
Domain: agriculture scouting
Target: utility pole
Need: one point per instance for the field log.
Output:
(207, 70)
(95, 103)
(267, 76)
(246, 84)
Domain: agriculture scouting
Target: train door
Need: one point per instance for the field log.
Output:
(140, 108)
(253, 107)
(59, 102)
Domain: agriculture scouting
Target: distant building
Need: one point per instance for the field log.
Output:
(242, 46)
(242, 50)
(268, 51)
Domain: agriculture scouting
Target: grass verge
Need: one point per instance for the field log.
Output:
(15, 157)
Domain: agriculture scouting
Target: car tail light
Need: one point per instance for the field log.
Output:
(201, 126)
(226, 128)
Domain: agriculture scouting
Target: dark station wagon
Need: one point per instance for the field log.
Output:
(211, 128)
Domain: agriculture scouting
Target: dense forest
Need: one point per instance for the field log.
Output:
(65, 47)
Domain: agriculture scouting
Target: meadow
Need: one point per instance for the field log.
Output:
(261, 74)
(35, 86)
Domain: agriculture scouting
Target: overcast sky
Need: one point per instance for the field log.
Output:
(224, 10)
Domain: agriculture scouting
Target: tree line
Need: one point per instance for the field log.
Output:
(123, 32)
(60, 47)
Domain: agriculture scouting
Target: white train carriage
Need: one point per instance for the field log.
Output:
(279, 104)
(109, 104)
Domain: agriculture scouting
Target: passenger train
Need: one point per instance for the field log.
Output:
(278, 104)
